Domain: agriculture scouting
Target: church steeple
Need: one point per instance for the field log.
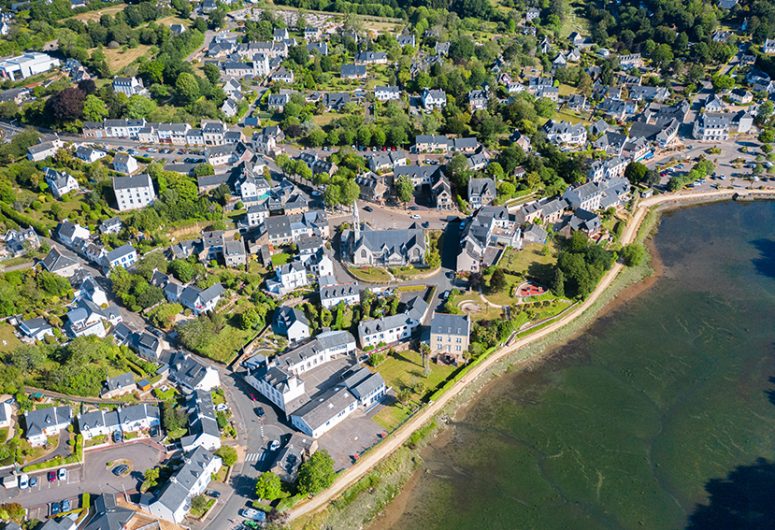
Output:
(356, 223)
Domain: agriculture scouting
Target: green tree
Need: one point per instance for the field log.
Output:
(633, 254)
(227, 454)
(187, 87)
(498, 281)
(404, 189)
(94, 109)
(268, 486)
(150, 479)
(139, 107)
(636, 172)
(250, 319)
(317, 473)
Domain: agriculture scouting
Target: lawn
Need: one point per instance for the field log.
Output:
(370, 274)
(532, 261)
(8, 341)
(281, 258)
(224, 346)
(404, 370)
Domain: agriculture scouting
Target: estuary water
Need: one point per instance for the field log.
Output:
(661, 415)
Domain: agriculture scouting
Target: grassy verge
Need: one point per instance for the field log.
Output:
(370, 274)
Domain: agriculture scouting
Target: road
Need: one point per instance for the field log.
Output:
(400, 436)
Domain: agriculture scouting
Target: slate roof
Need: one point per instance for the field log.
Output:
(448, 324)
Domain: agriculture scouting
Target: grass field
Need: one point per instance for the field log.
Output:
(404, 370)
(8, 340)
(120, 58)
(95, 15)
(530, 261)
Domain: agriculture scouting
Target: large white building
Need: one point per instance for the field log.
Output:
(27, 65)
(133, 192)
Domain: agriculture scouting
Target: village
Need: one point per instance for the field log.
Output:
(221, 281)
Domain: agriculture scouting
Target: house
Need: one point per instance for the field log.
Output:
(321, 48)
(111, 226)
(433, 99)
(201, 301)
(353, 71)
(89, 154)
(174, 500)
(146, 345)
(43, 150)
(87, 319)
(714, 104)
(318, 263)
(124, 256)
(234, 254)
(87, 288)
(406, 39)
(42, 423)
(395, 328)
(17, 242)
(390, 247)
(118, 385)
(60, 262)
(106, 514)
(60, 182)
(373, 187)
(387, 93)
(333, 294)
(36, 328)
(768, 48)
(490, 227)
(124, 163)
(481, 192)
(288, 278)
(318, 416)
(203, 428)
(26, 65)
(371, 58)
(531, 14)
(740, 96)
(711, 127)
(129, 86)
(72, 234)
(478, 99)
(190, 374)
(449, 336)
(565, 133)
(418, 175)
(133, 192)
(283, 75)
(587, 196)
(441, 190)
(292, 323)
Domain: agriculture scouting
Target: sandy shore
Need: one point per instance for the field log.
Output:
(531, 349)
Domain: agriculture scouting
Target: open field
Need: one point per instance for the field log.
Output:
(120, 58)
(95, 15)
(8, 340)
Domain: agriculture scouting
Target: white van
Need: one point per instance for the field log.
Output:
(24, 481)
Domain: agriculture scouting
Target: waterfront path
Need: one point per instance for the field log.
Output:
(425, 415)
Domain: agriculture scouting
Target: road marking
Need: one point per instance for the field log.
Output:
(252, 457)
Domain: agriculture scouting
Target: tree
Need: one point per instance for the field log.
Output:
(211, 71)
(150, 479)
(250, 319)
(187, 87)
(139, 107)
(404, 189)
(227, 454)
(65, 106)
(498, 281)
(268, 486)
(317, 473)
(94, 109)
(633, 254)
(723, 82)
(558, 283)
(203, 170)
(199, 504)
(636, 172)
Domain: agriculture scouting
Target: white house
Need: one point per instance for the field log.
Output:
(288, 277)
(42, 423)
(27, 65)
(132, 192)
(124, 256)
(129, 86)
(60, 182)
(190, 374)
(434, 99)
(202, 423)
(292, 323)
(333, 295)
(201, 301)
(125, 163)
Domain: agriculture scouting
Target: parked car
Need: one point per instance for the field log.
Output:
(120, 470)
(415, 216)
(274, 445)
(250, 513)
(213, 493)
(24, 481)
(66, 505)
(260, 412)
(52, 476)
(62, 474)
(55, 509)
(368, 209)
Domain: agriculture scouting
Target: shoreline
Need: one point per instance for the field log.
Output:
(617, 286)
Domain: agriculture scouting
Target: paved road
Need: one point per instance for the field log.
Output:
(372, 458)
(94, 476)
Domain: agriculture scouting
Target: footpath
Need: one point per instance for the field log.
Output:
(402, 434)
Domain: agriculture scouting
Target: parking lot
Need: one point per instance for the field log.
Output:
(357, 433)
(94, 475)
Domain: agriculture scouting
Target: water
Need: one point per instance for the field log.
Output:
(654, 418)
